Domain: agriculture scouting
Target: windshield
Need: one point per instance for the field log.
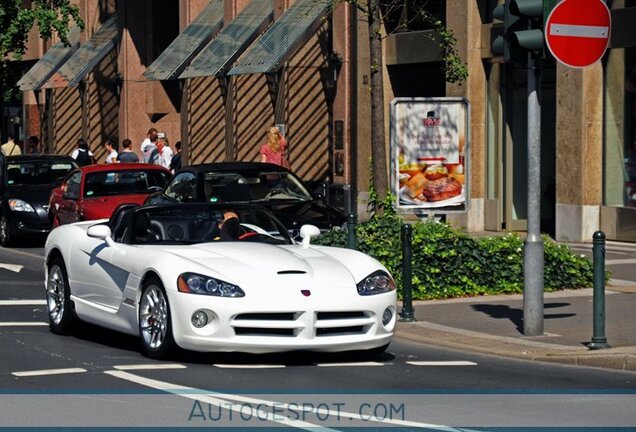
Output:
(253, 186)
(37, 172)
(201, 223)
(107, 183)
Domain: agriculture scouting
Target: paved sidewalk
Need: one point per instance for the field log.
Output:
(494, 324)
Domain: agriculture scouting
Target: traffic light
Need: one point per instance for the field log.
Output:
(523, 28)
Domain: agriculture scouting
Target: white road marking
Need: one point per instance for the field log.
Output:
(11, 267)
(22, 302)
(354, 364)
(442, 363)
(149, 366)
(586, 31)
(48, 372)
(210, 397)
(248, 366)
(22, 324)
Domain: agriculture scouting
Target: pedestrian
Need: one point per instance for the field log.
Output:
(33, 145)
(273, 151)
(82, 155)
(127, 155)
(111, 153)
(10, 148)
(149, 145)
(175, 163)
(164, 151)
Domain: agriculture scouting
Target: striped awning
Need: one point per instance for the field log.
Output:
(283, 38)
(174, 59)
(233, 40)
(89, 54)
(50, 62)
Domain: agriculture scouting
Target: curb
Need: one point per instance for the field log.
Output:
(623, 359)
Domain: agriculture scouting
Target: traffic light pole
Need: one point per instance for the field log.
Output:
(533, 250)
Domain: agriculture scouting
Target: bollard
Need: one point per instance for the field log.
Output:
(407, 314)
(351, 231)
(599, 341)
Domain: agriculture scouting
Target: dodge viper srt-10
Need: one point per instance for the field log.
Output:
(215, 277)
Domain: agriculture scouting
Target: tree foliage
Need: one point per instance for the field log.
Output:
(51, 17)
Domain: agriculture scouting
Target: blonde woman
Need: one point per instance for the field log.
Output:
(273, 151)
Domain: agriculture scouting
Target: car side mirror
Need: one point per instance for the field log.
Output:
(307, 232)
(101, 232)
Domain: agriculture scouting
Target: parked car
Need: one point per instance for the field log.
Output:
(25, 185)
(271, 186)
(183, 286)
(94, 191)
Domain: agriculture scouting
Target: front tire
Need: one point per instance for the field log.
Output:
(58, 298)
(155, 326)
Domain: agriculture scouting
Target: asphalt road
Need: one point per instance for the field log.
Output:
(98, 378)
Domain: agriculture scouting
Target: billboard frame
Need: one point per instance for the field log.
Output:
(402, 148)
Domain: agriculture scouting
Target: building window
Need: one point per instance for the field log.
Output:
(407, 15)
(619, 158)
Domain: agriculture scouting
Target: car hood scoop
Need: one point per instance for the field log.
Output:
(263, 261)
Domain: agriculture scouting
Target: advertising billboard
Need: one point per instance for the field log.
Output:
(430, 145)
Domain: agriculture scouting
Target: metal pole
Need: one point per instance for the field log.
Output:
(599, 340)
(533, 250)
(351, 231)
(407, 315)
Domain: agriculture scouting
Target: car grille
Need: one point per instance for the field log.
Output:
(322, 324)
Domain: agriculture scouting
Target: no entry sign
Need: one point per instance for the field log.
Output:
(577, 32)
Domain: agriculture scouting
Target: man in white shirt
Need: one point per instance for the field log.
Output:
(149, 145)
(10, 148)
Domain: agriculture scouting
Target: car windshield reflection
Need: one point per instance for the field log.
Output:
(189, 224)
(109, 183)
(35, 173)
(255, 187)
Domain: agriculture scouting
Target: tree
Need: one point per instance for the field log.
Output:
(377, 14)
(53, 17)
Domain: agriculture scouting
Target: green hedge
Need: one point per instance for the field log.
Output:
(447, 262)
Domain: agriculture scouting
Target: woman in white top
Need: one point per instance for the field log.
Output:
(111, 153)
(164, 152)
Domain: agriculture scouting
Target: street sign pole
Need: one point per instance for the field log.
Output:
(533, 247)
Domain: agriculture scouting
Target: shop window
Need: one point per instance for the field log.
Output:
(630, 132)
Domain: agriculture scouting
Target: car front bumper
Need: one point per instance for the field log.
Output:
(26, 224)
(252, 326)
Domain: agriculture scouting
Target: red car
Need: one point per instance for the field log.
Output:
(94, 191)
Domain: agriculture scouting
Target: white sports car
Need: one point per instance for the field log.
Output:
(197, 277)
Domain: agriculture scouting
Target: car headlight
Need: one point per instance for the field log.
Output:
(198, 284)
(376, 283)
(20, 206)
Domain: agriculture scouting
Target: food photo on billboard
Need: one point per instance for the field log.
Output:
(430, 145)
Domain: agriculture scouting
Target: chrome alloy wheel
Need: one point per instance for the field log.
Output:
(55, 294)
(153, 317)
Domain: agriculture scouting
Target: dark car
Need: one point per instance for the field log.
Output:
(271, 186)
(25, 184)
